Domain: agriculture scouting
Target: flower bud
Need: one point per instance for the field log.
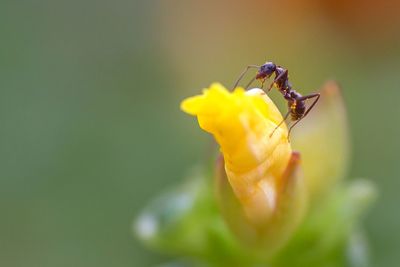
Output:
(260, 190)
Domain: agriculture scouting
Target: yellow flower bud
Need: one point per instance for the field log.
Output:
(256, 163)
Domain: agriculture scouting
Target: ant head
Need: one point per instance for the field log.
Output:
(266, 70)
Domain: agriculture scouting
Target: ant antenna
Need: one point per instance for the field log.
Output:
(250, 82)
(242, 75)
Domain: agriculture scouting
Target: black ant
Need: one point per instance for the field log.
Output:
(296, 102)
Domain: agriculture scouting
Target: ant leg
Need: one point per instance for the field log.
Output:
(243, 73)
(317, 95)
(277, 126)
(271, 85)
(277, 78)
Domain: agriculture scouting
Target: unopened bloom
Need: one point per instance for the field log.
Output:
(258, 163)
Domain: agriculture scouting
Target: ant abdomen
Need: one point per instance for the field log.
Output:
(297, 109)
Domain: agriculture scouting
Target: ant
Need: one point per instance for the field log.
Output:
(296, 101)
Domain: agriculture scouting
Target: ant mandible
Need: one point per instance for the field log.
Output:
(296, 101)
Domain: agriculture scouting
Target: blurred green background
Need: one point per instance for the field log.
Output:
(90, 123)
